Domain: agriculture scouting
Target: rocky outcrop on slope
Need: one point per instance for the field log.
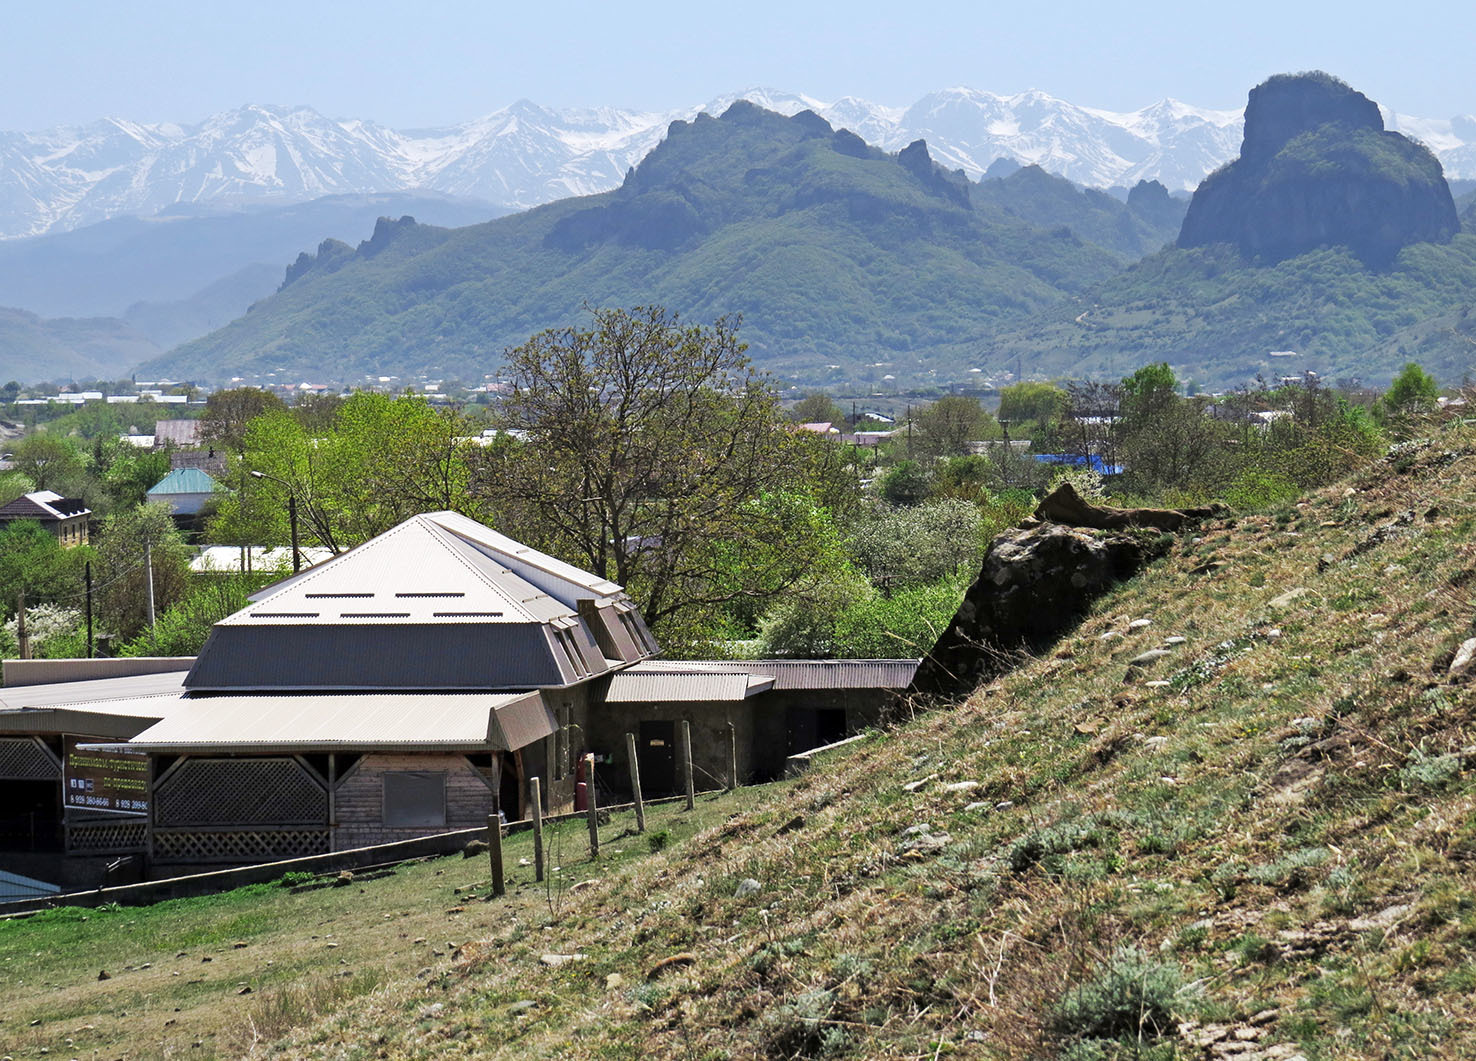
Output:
(1037, 581)
(1318, 169)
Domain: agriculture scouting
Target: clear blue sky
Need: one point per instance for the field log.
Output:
(441, 61)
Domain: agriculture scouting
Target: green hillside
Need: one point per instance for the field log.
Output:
(835, 254)
(1261, 844)
(33, 349)
(1216, 318)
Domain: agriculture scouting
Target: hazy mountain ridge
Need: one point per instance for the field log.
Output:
(839, 255)
(525, 155)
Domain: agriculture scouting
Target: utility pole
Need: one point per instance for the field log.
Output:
(87, 578)
(149, 563)
(909, 432)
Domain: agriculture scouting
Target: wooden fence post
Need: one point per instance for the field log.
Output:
(687, 763)
(635, 781)
(494, 851)
(592, 804)
(732, 757)
(535, 811)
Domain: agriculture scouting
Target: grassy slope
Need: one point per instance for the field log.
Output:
(1289, 820)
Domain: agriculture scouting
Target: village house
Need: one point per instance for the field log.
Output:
(64, 517)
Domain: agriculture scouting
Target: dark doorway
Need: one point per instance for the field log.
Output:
(510, 788)
(830, 725)
(811, 727)
(30, 816)
(656, 753)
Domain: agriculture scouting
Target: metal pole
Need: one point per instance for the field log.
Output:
(687, 763)
(292, 518)
(494, 851)
(535, 805)
(732, 757)
(87, 577)
(635, 781)
(592, 810)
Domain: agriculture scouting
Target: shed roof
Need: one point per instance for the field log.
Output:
(319, 722)
(639, 687)
(184, 481)
(105, 707)
(815, 674)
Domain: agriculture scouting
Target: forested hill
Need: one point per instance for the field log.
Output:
(836, 254)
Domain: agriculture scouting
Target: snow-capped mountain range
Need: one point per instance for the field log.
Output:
(523, 155)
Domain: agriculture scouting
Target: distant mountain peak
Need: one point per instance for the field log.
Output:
(1318, 169)
(527, 154)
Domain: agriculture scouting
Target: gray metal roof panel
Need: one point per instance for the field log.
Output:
(413, 572)
(379, 656)
(93, 691)
(630, 687)
(815, 674)
(316, 721)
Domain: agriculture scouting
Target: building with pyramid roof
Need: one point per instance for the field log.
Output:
(407, 687)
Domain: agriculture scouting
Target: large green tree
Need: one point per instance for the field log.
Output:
(653, 454)
(949, 424)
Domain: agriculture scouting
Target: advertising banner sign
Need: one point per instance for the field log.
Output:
(105, 781)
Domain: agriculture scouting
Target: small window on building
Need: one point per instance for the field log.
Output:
(415, 798)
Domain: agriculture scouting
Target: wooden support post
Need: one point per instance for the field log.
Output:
(635, 781)
(332, 800)
(592, 805)
(732, 757)
(535, 811)
(494, 850)
(687, 763)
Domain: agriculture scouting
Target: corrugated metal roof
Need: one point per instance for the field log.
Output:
(112, 719)
(814, 674)
(433, 603)
(177, 432)
(306, 655)
(634, 687)
(546, 572)
(309, 722)
(413, 573)
(184, 481)
(93, 692)
(14, 887)
(106, 707)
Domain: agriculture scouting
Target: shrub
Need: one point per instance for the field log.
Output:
(1132, 996)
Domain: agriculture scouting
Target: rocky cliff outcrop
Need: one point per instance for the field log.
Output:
(1038, 580)
(1318, 169)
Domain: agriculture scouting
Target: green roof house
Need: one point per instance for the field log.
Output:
(184, 490)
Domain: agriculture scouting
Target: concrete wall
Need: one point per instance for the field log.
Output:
(770, 727)
(609, 723)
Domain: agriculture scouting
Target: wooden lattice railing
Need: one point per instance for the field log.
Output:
(237, 845)
(122, 837)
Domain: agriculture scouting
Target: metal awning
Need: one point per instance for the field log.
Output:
(640, 687)
(379, 721)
